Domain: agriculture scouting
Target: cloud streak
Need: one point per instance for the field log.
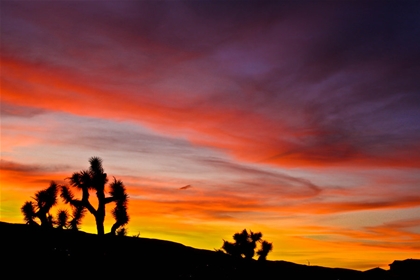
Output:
(231, 107)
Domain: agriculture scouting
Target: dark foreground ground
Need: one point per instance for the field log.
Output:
(34, 252)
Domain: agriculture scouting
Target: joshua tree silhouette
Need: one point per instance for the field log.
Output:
(44, 200)
(245, 244)
(95, 179)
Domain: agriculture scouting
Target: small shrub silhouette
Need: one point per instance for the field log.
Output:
(245, 245)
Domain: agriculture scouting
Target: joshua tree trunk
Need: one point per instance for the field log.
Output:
(100, 224)
(100, 212)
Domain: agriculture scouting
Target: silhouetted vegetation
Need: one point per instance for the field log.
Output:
(60, 249)
(266, 248)
(93, 179)
(245, 245)
(40, 208)
(78, 213)
(62, 219)
(49, 253)
(122, 231)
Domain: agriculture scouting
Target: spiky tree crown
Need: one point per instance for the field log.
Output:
(45, 199)
(62, 219)
(28, 211)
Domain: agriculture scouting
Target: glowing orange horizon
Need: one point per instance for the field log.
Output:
(165, 212)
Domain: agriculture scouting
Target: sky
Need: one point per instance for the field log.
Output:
(300, 119)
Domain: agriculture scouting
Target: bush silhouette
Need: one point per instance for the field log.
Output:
(95, 179)
(245, 245)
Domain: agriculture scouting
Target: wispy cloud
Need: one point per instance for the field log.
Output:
(330, 95)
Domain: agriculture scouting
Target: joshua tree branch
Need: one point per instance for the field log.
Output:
(89, 206)
(110, 199)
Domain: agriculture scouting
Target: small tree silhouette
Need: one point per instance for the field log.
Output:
(40, 208)
(95, 179)
(245, 244)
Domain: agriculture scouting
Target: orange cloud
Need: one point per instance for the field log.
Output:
(248, 135)
(328, 207)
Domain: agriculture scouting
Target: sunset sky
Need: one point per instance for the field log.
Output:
(298, 119)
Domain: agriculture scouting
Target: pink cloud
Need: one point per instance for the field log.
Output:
(247, 135)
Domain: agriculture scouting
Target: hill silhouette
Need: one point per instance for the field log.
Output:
(29, 251)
